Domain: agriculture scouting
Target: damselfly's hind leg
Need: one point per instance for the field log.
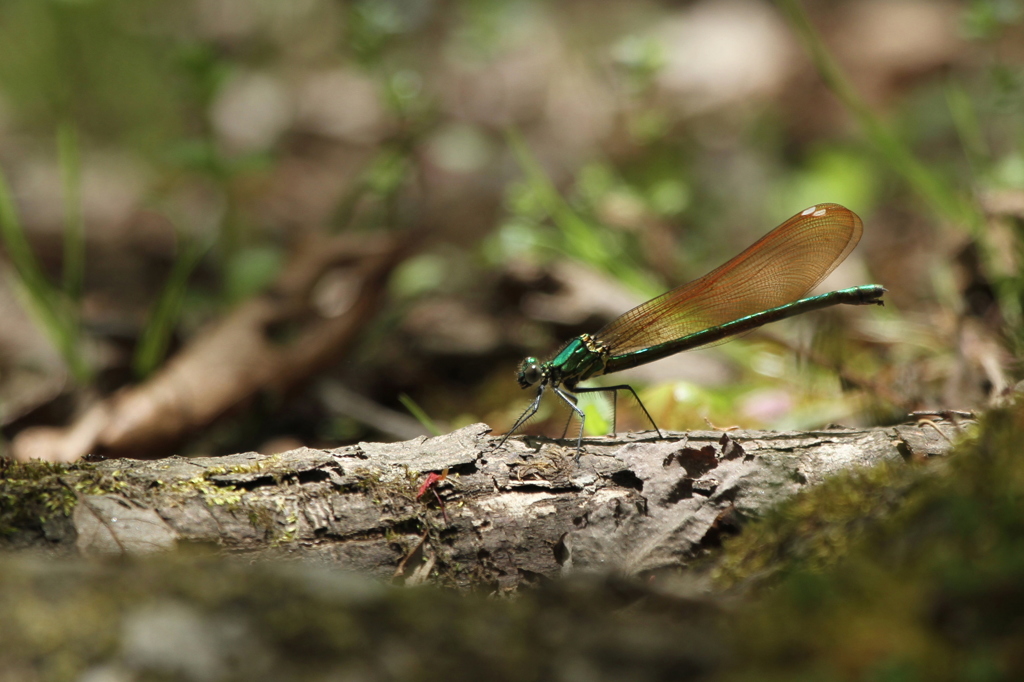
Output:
(568, 419)
(570, 400)
(614, 390)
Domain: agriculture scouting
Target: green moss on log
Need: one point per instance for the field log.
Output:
(33, 493)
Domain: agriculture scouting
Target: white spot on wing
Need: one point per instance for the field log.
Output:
(809, 211)
(820, 212)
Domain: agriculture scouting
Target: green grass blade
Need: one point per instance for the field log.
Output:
(968, 128)
(382, 178)
(156, 336)
(928, 184)
(944, 199)
(419, 414)
(74, 226)
(583, 239)
(46, 302)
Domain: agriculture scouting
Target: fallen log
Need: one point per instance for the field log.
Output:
(632, 505)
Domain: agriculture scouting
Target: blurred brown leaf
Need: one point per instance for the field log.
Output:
(272, 342)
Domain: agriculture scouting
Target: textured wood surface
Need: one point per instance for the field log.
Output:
(632, 504)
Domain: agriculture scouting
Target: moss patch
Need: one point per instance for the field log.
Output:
(213, 494)
(32, 493)
(818, 527)
(912, 574)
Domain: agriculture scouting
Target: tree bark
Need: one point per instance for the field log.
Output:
(633, 504)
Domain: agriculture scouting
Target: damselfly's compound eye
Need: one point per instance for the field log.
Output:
(529, 372)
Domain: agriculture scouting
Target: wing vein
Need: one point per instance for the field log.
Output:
(781, 267)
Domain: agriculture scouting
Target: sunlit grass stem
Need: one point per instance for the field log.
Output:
(54, 311)
(69, 159)
(952, 205)
(156, 335)
(584, 240)
(420, 415)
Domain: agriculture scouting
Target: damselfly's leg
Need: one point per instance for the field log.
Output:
(615, 392)
(571, 402)
(568, 419)
(525, 416)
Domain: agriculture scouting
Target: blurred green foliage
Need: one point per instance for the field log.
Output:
(577, 236)
(98, 63)
(883, 574)
(658, 198)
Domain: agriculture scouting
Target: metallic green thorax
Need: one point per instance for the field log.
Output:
(580, 359)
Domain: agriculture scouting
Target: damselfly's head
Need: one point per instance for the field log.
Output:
(530, 372)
